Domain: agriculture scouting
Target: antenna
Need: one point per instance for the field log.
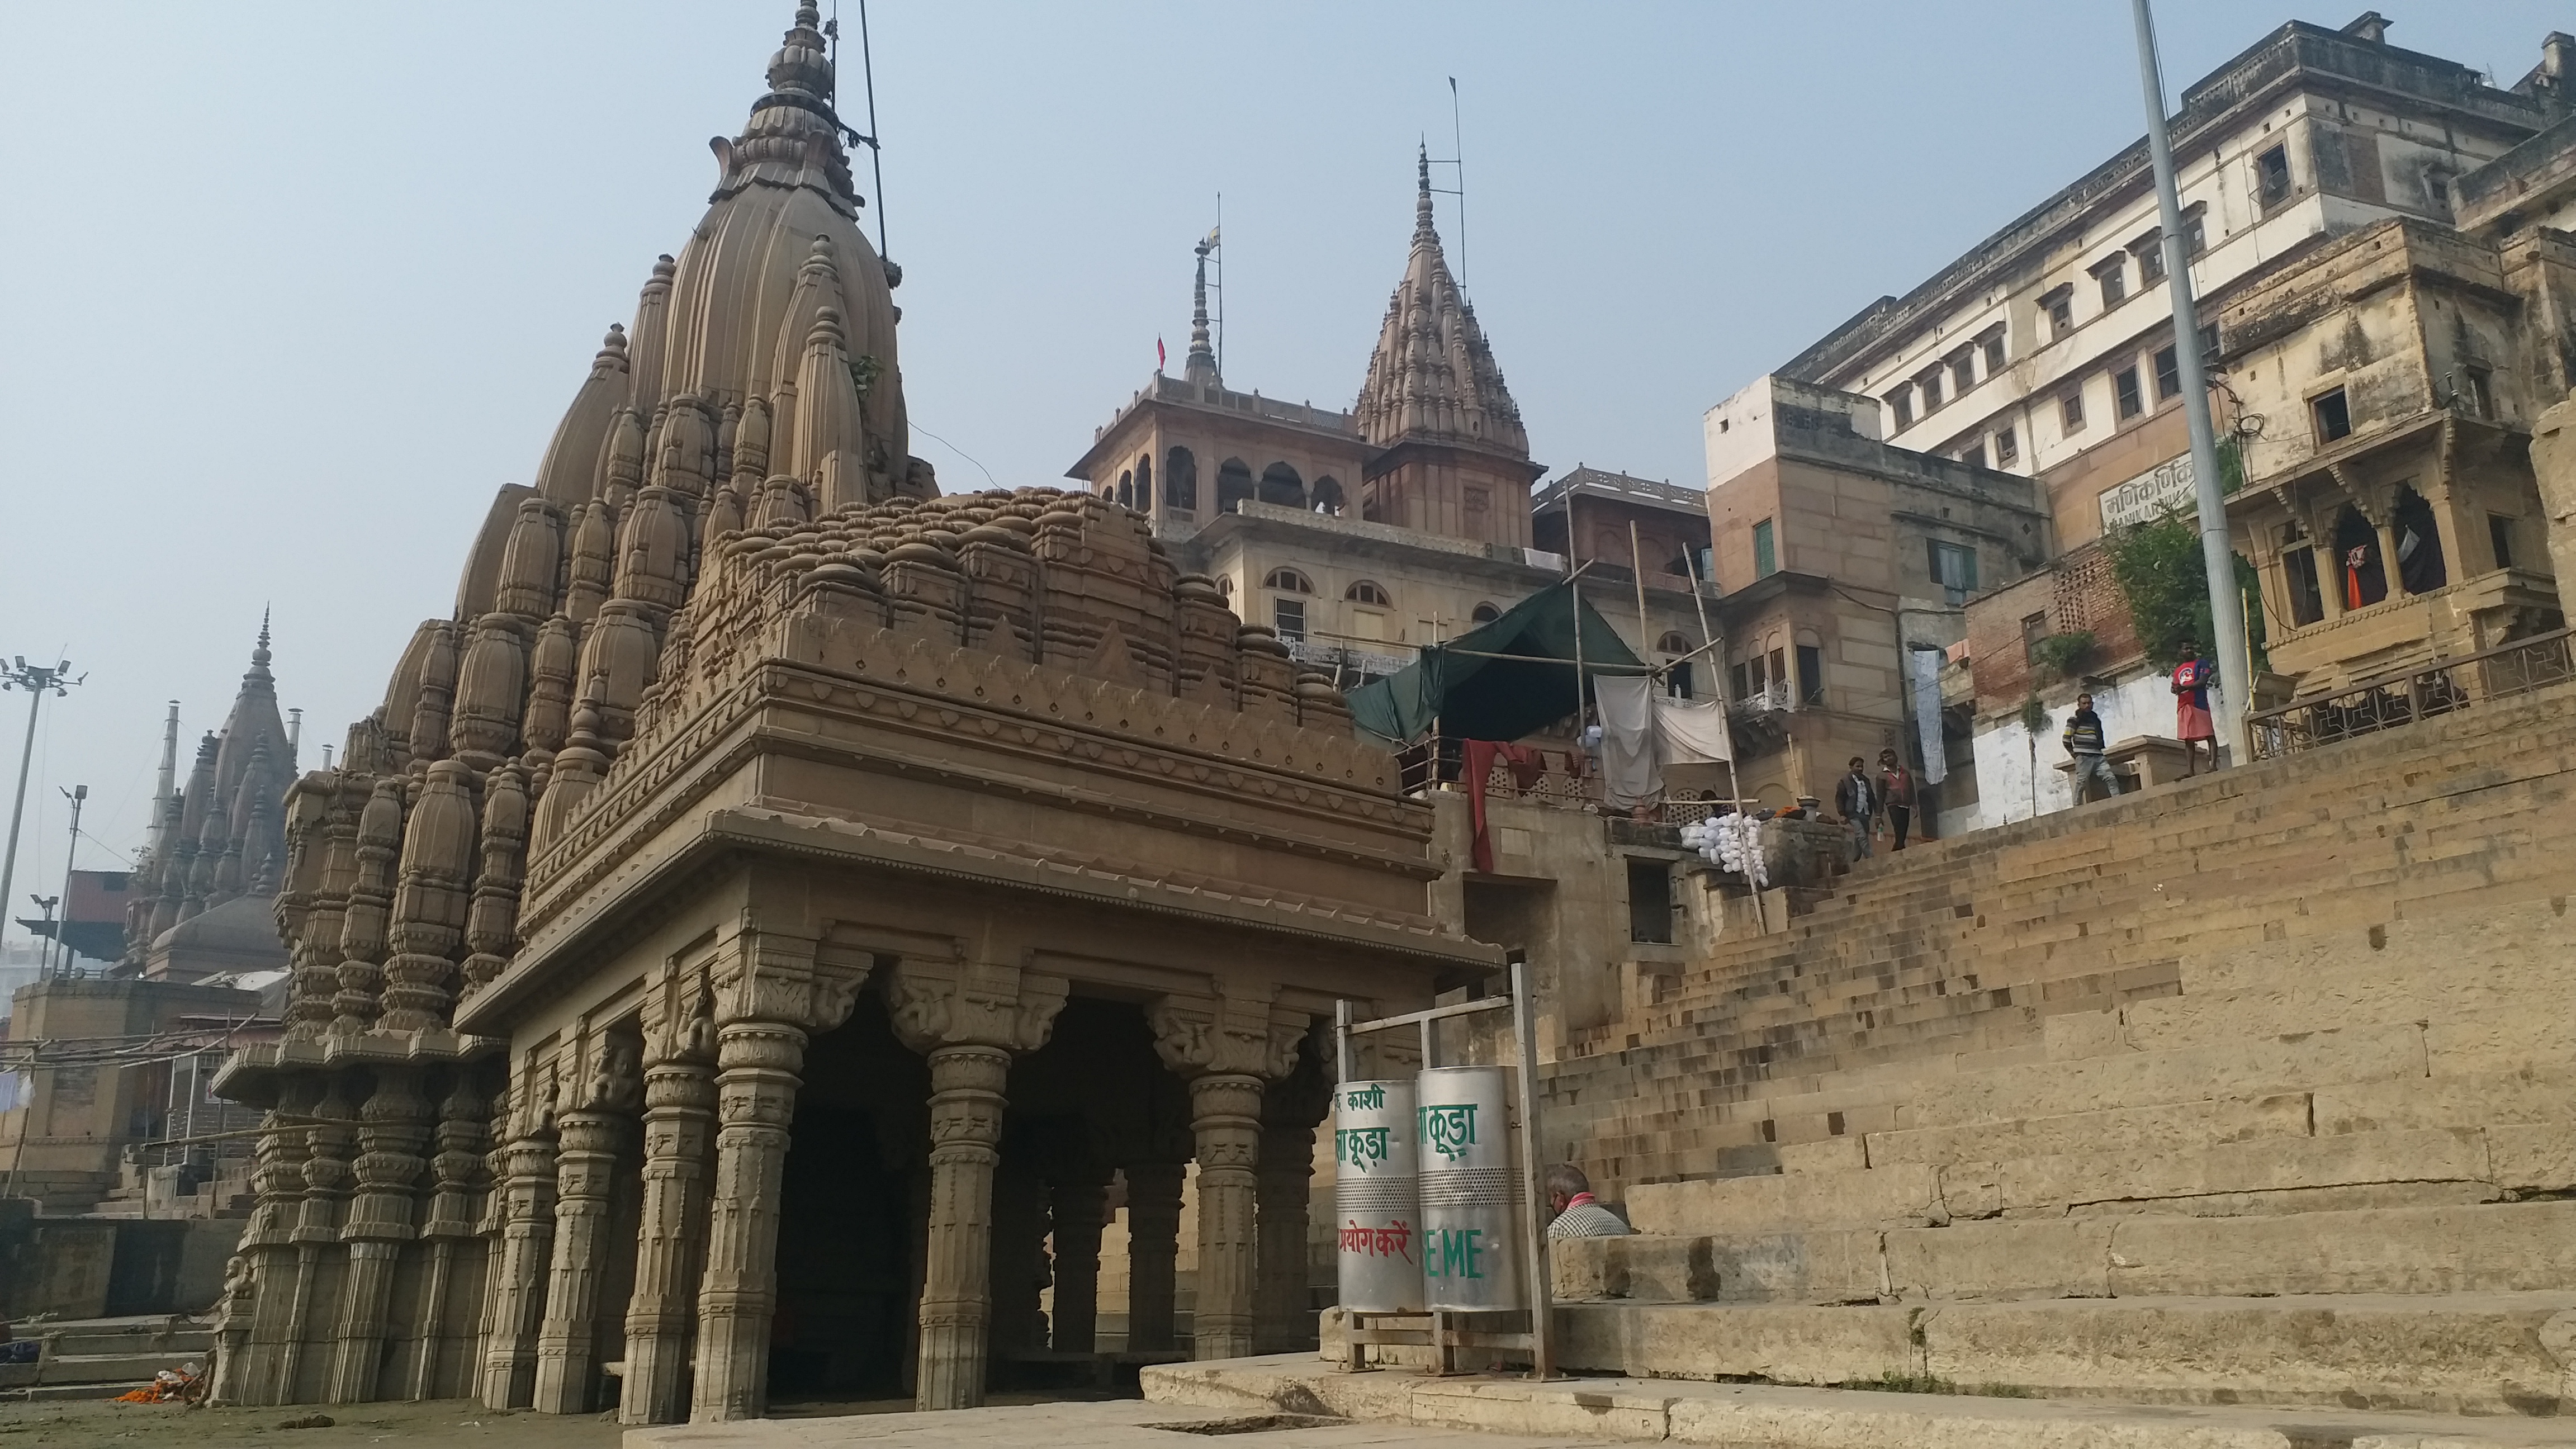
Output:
(876, 153)
(1216, 236)
(1458, 143)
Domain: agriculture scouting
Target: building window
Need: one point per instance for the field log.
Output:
(1735, 676)
(1963, 373)
(1287, 581)
(1328, 496)
(2168, 374)
(2477, 391)
(2124, 393)
(1766, 559)
(1677, 680)
(2007, 449)
(2195, 232)
(1483, 614)
(1974, 455)
(2113, 274)
(1288, 618)
(2070, 410)
(1954, 568)
(1900, 403)
(1930, 382)
(1811, 675)
(2060, 306)
(2307, 600)
(1994, 352)
(1126, 490)
(1650, 902)
(1225, 586)
(2500, 536)
(2034, 628)
(2333, 416)
(2272, 177)
(2151, 258)
(1145, 484)
(1233, 485)
(1373, 595)
(1181, 481)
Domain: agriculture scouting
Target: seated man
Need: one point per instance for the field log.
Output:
(1569, 1195)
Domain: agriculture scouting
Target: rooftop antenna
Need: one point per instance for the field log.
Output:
(1457, 144)
(1216, 251)
(876, 153)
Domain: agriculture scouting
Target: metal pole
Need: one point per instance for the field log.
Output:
(2218, 558)
(1637, 566)
(1342, 1040)
(18, 810)
(63, 929)
(1542, 1305)
(1716, 666)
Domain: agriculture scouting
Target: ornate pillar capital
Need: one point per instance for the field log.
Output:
(762, 973)
(960, 1002)
(1240, 1033)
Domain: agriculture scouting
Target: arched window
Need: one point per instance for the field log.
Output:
(1281, 485)
(1181, 480)
(1233, 484)
(1145, 484)
(1225, 586)
(1126, 490)
(1327, 494)
(1674, 642)
(1484, 614)
(1365, 592)
(1288, 581)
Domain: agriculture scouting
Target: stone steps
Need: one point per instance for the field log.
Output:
(1815, 1246)
(2500, 1353)
(1769, 1416)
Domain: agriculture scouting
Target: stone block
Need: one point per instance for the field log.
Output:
(1828, 1154)
(1819, 1267)
(2532, 1157)
(2490, 1248)
(2134, 1131)
(1785, 1345)
(2537, 1036)
(2138, 1079)
(1538, 1409)
(2072, 1034)
(2024, 1258)
(2480, 1099)
(2265, 1165)
(1808, 1201)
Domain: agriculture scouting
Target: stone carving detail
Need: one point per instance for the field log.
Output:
(936, 1004)
(370, 904)
(430, 906)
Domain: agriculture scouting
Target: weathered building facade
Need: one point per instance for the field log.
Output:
(765, 917)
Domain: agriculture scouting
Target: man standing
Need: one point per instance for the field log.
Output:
(1896, 794)
(2192, 724)
(1569, 1196)
(2083, 742)
(1857, 804)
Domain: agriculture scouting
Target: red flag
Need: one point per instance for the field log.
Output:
(1159, 358)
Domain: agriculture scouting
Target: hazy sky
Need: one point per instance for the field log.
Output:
(286, 290)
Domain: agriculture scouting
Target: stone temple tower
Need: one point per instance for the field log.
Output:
(1455, 459)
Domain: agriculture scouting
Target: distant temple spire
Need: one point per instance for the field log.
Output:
(1201, 366)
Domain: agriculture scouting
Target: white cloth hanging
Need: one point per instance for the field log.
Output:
(1630, 774)
(1692, 731)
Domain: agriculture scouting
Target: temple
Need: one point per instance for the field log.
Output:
(773, 861)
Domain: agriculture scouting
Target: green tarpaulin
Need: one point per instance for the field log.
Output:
(1507, 679)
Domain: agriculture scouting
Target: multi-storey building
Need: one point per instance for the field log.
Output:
(2046, 353)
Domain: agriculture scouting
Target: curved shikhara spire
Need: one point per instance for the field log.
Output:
(1432, 377)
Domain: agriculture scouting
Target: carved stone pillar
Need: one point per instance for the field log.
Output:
(756, 1082)
(458, 1172)
(956, 1296)
(1153, 1251)
(968, 1017)
(1283, 1320)
(526, 1246)
(1074, 1203)
(679, 1136)
(1226, 1046)
(771, 989)
(397, 1122)
(585, 1176)
(257, 1282)
(327, 1180)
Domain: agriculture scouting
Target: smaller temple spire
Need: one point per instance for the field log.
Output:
(1201, 366)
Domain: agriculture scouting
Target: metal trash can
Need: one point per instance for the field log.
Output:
(1379, 1253)
(1470, 1252)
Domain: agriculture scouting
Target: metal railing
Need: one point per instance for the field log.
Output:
(2445, 686)
(1440, 764)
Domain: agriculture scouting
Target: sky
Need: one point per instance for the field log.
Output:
(288, 289)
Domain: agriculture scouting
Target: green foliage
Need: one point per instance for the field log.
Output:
(2034, 716)
(2158, 568)
(2231, 465)
(2061, 655)
(1893, 1382)
(864, 371)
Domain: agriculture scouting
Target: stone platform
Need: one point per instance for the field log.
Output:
(1766, 1416)
(1117, 1424)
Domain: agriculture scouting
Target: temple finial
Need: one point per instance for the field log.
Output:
(1201, 365)
(1422, 191)
(259, 654)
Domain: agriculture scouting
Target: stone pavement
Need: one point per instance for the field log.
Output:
(1765, 1416)
(1116, 1424)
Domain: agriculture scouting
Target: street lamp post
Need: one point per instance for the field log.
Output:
(36, 679)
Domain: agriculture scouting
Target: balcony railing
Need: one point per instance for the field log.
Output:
(2443, 687)
(1564, 781)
